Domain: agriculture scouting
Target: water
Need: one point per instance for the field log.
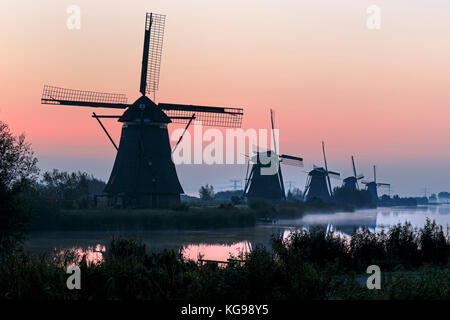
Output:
(218, 244)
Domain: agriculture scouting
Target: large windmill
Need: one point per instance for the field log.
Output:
(144, 173)
(263, 184)
(372, 186)
(318, 184)
(352, 181)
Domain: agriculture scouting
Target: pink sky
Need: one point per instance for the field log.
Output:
(381, 95)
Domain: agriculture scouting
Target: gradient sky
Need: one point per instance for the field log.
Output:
(382, 95)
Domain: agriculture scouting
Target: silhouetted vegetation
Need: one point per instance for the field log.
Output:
(18, 169)
(386, 201)
(353, 197)
(180, 217)
(310, 264)
(228, 194)
(294, 195)
(444, 196)
(206, 192)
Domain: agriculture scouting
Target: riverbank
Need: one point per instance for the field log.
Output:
(308, 265)
(207, 216)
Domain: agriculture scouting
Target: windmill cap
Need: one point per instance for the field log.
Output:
(145, 109)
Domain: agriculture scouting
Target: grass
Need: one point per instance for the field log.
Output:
(308, 265)
(182, 216)
(140, 219)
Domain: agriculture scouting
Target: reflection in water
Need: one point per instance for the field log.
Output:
(216, 252)
(92, 254)
(218, 244)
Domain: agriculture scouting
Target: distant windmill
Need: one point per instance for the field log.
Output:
(352, 181)
(268, 186)
(144, 173)
(372, 186)
(318, 184)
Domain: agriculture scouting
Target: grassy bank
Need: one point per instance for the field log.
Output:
(184, 216)
(308, 265)
(127, 219)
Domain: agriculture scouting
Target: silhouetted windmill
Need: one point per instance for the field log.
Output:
(318, 184)
(352, 181)
(144, 173)
(261, 183)
(372, 186)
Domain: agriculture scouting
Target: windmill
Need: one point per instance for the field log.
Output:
(372, 186)
(352, 181)
(144, 173)
(260, 182)
(318, 184)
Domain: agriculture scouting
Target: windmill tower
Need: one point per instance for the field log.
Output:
(261, 183)
(318, 184)
(372, 186)
(352, 181)
(144, 173)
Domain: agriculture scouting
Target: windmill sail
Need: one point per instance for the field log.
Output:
(209, 116)
(82, 98)
(151, 57)
(291, 160)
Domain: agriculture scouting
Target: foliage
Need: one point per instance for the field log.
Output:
(18, 169)
(294, 194)
(386, 201)
(17, 160)
(183, 217)
(206, 192)
(70, 190)
(228, 195)
(354, 197)
(309, 264)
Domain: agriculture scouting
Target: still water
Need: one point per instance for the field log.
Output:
(219, 244)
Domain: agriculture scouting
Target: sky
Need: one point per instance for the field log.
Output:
(380, 95)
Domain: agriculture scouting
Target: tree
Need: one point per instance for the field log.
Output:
(295, 194)
(357, 198)
(71, 190)
(18, 170)
(206, 192)
(17, 160)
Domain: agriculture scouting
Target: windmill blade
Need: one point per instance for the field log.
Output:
(246, 173)
(209, 116)
(335, 175)
(272, 121)
(291, 160)
(280, 179)
(354, 167)
(82, 98)
(182, 135)
(151, 57)
(359, 177)
(326, 167)
(379, 184)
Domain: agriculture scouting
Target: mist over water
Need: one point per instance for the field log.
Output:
(219, 244)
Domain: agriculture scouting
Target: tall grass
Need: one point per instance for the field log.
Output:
(310, 264)
(121, 219)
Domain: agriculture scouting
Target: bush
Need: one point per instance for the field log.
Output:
(357, 198)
